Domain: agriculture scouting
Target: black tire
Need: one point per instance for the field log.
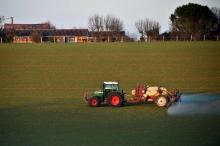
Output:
(115, 99)
(94, 102)
(161, 101)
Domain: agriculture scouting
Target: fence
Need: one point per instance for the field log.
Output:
(188, 38)
(148, 39)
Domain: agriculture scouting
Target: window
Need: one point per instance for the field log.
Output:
(111, 86)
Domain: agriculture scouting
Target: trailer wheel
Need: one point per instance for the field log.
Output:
(115, 100)
(94, 102)
(161, 101)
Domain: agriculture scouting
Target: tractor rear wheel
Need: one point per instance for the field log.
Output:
(94, 102)
(115, 100)
(161, 101)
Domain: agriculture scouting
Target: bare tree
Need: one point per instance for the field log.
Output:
(151, 28)
(116, 24)
(1, 28)
(52, 26)
(148, 28)
(216, 11)
(106, 28)
(2, 20)
(140, 27)
(107, 22)
(96, 23)
(216, 27)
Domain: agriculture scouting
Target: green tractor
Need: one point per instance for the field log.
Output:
(110, 94)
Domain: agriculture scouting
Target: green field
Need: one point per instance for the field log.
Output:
(42, 86)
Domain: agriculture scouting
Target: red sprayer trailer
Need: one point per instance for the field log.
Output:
(160, 95)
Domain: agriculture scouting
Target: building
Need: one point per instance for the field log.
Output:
(9, 27)
(52, 35)
(29, 33)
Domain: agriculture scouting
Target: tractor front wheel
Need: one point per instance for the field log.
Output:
(161, 101)
(94, 102)
(115, 100)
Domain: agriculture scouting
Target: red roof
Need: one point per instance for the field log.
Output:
(26, 26)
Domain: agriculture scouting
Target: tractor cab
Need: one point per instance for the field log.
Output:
(110, 87)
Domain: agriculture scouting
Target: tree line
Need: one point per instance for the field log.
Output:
(190, 21)
(194, 20)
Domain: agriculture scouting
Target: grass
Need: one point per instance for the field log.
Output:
(42, 86)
